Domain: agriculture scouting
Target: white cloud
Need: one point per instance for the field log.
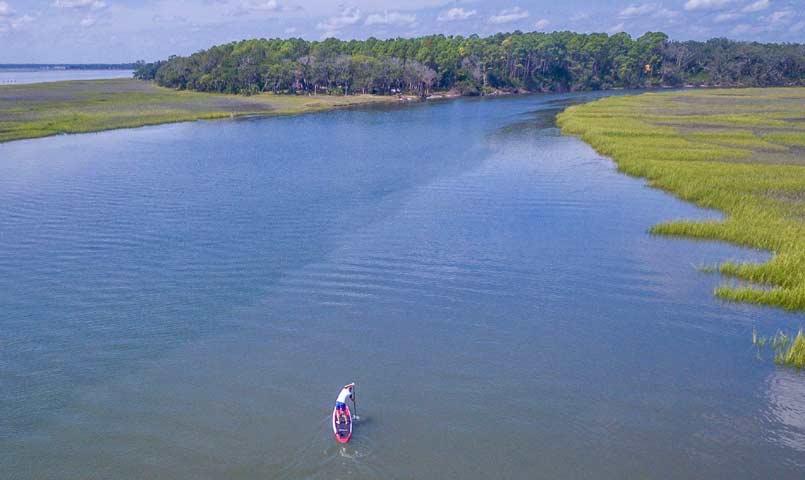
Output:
(580, 16)
(692, 5)
(247, 7)
(637, 10)
(455, 14)
(652, 10)
(9, 21)
(741, 28)
(20, 22)
(615, 29)
(780, 16)
(88, 22)
(509, 15)
(262, 5)
(756, 6)
(390, 18)
(93, 4)
(727, 17)
(542, 24)
(665, 13)
(290, 30)
(350, 16)
(774, 22)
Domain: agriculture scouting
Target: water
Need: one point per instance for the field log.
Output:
(185, 301)
(18, 76)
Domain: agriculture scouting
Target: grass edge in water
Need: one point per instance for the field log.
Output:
(789, 350)
(668, 139)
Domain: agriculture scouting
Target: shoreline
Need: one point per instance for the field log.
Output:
(739, 151)
(38, 110)
(64, 105)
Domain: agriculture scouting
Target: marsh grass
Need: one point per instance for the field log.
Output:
(738, 151)
(787, 349)
(39, 110)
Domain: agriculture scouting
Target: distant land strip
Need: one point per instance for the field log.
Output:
(69, 66)
(53, 108)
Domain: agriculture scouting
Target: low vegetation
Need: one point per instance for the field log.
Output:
(39, 110)
(740, 151)
(473, 65)
(788, 350)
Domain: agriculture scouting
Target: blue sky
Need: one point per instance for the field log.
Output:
(126, 30)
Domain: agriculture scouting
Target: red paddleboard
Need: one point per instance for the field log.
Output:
(342, 424)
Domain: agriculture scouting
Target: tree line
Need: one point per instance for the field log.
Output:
(473, 65)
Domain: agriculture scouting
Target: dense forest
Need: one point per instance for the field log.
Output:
(559, 61)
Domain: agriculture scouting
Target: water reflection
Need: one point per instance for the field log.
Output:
(786, 396)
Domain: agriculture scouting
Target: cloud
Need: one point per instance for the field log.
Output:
(774, 22)
(350, 16)
(637, 10)
(652, 10)
(88, 22)
(91, 4)
(756, 6)
(259, 6)
(727, 17)
(615, 29)
(741, 28)
(262, 5)
(390, 18)
(509, 15)
(20, 22)
(780, 16)
(692, 5)
(542, 24)
(580, 16)
(455, 14)
(9, 21)
(665, 13)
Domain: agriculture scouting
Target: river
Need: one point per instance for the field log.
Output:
(185, 301)
(22, 75)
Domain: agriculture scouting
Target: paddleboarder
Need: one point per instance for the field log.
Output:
(342, 418)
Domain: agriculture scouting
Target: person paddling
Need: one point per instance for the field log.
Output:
(344, 395)
(342, 418)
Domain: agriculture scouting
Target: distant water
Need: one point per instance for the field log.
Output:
(18, 76)
(185, 301)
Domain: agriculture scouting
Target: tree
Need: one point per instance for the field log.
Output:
(558, 61)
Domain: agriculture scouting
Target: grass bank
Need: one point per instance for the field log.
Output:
(741, 151)
(40, 110)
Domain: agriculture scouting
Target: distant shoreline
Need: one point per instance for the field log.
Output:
(68, 66)
(38, 110)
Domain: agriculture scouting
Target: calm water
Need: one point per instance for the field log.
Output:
(17, 76)
(184, 302)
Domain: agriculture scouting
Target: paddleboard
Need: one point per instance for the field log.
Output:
(342, 424)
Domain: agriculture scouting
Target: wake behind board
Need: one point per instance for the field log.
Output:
(342, 424)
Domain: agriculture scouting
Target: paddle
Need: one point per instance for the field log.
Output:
(354, 404)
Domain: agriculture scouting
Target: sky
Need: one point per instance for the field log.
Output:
(112, 31)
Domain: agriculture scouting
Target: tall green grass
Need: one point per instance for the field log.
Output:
(738, 151)
(788, 350)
